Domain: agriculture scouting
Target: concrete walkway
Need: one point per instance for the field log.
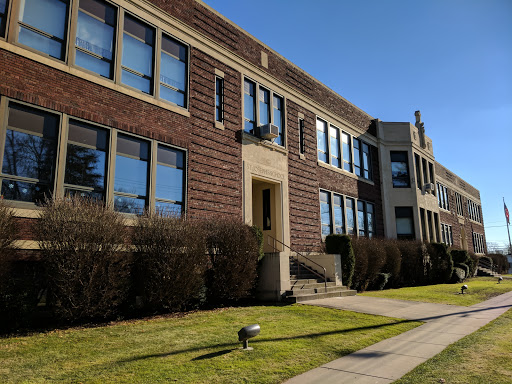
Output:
(390, 359)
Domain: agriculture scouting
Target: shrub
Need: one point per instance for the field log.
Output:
(414, 262)
(458, 275)
(233, 257)
(341, 244)
(393, 262)
(81, 243)
(171, 261)
(381, 281)
(259, 236)
(500, 262)
(441, 264)
(473, 264)
(361, 264)
(464, 267)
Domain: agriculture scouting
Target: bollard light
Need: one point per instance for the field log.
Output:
(247, 333)
(463, 288)
(500, 279)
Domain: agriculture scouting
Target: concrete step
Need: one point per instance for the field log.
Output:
(316, 296)
(320, 289)
(304, 283)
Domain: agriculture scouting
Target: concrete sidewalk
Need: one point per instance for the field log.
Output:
(390, 359)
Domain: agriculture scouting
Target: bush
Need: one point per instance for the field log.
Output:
(81, 243)
(393, 262)
(171, 261)
(458, 275)
(259, 236)
(473, 264)
(414, 263)
(370, 259)
(464, 267)
(441, 264)
(500, 262)
(361, 264)
(381, 281)
(233, 258)
(341, 244)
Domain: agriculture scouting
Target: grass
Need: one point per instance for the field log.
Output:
(200, 347)
(480, 358)
(479, 289)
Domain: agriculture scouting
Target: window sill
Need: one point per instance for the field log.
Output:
(264, 143)
(343, 172)
(219, 125)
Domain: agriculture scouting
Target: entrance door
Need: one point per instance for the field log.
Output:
(266, 211)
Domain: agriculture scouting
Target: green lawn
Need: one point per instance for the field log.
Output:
(200, 347)
(479, 289)
(483, 357)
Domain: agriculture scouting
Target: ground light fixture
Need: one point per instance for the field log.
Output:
(500, 279)
(247, 333)
(463, 288)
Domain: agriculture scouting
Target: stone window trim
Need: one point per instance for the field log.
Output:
(69, 57)
(219, 100)
(58, 185)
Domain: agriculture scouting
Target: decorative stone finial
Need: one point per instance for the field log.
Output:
(421, 129)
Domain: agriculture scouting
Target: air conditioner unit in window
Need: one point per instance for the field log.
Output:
(268, 131)
(428, 187)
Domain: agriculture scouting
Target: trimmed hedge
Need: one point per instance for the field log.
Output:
(441, 263)
(342, 245)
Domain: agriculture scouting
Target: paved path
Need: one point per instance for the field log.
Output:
(390, 359)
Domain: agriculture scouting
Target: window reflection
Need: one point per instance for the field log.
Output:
(400, 169)
(173, 71)
(95, 36)
(278, 118)
(3, 17)
(42, 26)
(249, 106)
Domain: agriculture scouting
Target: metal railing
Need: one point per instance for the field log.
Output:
(484, 263)
(271, 241)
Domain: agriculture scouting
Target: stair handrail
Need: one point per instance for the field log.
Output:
(274, 240)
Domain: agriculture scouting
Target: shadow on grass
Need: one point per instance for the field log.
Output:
(212, 355)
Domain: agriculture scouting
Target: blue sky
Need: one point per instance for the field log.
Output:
(451, 59)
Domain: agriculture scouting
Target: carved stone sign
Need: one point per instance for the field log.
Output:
(259, 170)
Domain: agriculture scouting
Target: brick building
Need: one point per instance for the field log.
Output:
(163, 104)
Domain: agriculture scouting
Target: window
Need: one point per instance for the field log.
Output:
(270, 109)
(431, 174)
(335, 147)
(362, 157)
(302, 141)
(339, 218)
(170, 179)
(322, 141)
(425, 171)
(430, 227)
(351, 221)
(347, 153)
(325, 212)
(173, 71)
(86, 160)
(474, 211)
(3, 17)
(219, 99)
(404, 223)
(267, 223)
(131, 174)
(423, 225)
(370, 219)
(138, 53)
(478, 243)
(446, 234)
(442, 197)
(95, 37)
(458, 201)
(417, 164)
(30, 154)
(277, 107)
(400, 169)
(43, 26)
(361, 218)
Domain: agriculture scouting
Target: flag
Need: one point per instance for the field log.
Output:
(506, 213)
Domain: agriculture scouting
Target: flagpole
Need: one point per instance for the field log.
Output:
(508, 231)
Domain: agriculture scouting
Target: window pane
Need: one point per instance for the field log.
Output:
(347, 155)
(168, 209)
(172, 71)
(335, 146)
(101, 67)
(95, 36)
(3, 17)
(219, 99)
(360, 218)
(48, 16)
(129, 205)
(131, 176)
(338, 214)
(264, 100)
(249, 106)
(169, 183)
(29, 156)
(350, 216)
(321, 135)
(400, 170)
(357, 158)
(135, 81)
(21, 191)
(85, 167)
(366, 162)
(325, 212)
(173, 96)
(278, 118)
(132, 147)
